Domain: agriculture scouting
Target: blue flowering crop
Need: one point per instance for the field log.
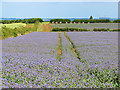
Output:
(30, 61)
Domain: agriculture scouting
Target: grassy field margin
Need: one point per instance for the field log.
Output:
(14, 32)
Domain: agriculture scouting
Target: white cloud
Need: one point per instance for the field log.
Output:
(60, 0)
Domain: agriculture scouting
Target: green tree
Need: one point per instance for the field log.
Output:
(91, 17)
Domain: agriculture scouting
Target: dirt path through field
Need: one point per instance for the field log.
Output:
(67, 53)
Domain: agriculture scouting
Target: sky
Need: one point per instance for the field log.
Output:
(53, 8)
(60, 0)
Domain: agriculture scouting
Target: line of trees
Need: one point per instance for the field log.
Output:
(116, 21)
(91, 20)
(31, 20)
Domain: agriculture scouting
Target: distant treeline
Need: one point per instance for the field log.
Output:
(117, 21)
(84, 20)
(32, 20)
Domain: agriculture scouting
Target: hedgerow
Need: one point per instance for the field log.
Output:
(81, 29)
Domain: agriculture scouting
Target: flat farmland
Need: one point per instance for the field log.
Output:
(62, 60)
(90, 26)
(13, 25)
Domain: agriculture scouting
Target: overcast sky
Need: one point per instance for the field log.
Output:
(33, 8)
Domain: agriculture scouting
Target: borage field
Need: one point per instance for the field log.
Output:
(61, 59)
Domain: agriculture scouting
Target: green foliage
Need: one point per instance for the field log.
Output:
(59, 29)
(84, 29)
(72, 29)
(100, 29)
(114, 30)
(31, 20)
(18, 21)
(116, 21)
(91, 17)
(81, 29)
(5, 21)
(69, 29)
(92, 20)
(103, 29)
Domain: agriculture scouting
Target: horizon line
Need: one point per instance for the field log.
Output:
(60, 17)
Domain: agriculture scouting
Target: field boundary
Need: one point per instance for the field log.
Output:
(73, 47)
(59, 47)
